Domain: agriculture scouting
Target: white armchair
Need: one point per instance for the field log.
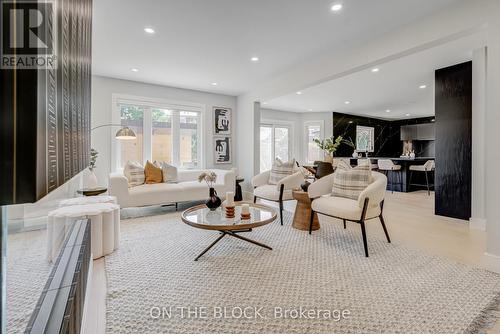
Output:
(369, 205)
(276, 192)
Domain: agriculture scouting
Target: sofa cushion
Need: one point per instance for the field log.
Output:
(153, 173)
(342, 208)
(169, 172)
(280, 170)
(350, 183)
(134, 172)
(271, 192)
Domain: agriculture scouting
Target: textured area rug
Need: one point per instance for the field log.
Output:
(306, 284)
(27, 274)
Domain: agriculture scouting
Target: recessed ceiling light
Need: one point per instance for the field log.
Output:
(375, 70)
(254, 59)
(264, 102)
(309, 110)
(433, 120)
(336, 7)
(388, 110)
(408, 115)
(422, 86)
(149, 30)
(347, 102)
(214, 83)
(299, 93)
(350, 122)
(134, 69)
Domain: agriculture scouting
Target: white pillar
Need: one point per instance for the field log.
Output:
(478, 219)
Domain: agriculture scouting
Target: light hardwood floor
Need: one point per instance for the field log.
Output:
(410, 220)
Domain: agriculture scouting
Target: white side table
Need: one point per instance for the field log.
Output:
(105, 227)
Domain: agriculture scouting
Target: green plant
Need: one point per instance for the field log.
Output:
(93, 159)
(329, 145)
(349, 142)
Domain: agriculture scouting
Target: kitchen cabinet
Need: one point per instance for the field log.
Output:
(424, 131)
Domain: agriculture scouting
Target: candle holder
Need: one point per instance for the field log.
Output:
(245, 212)
(229, 211)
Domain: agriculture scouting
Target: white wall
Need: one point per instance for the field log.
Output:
(102, 90)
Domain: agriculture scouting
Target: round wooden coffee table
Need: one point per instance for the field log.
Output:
(302, 216)
(201, 217)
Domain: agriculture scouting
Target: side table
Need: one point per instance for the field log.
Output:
(92, 191)
(302, 216)
(238, 195)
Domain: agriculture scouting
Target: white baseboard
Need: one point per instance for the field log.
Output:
(477, 224)
(491, 262)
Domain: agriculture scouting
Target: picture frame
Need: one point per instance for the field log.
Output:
(222, 150)
(222, 121)
(365, 138)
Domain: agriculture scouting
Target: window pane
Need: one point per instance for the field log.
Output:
(132, 116)
(189, 122)
(313, 151)
(266, 158)
(281, 140)
(162, 135)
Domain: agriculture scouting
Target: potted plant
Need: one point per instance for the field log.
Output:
(349, 142)
(213, 201)
(329, 146)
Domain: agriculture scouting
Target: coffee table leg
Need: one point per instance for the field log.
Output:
(248, 240)
(211, 245)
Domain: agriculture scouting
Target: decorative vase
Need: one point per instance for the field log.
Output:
(90, 180)
(328, 158)
(355, 154)
(305, 185)
(214, 201)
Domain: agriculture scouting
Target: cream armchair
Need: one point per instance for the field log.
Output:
(276, 192)
(369, 205)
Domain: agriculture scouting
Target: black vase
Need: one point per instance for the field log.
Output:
(214, 201)
(305, 185)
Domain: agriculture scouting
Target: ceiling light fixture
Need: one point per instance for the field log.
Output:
(149, 30)
(254, 59)
(422, 86)
(134, 69)
(299, 93)
(388, 110)
(264, 102)
(309, 110)
(375, 70)
(408, 115)
(336, 7)
(214, 83)
(347, 102)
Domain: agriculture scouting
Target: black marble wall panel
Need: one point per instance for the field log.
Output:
(454, 141)
(387, 134)
(45, 116)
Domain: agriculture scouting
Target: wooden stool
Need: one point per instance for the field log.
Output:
(302, 215)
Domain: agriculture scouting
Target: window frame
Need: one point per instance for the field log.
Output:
(148, 104)
(307, 124)
(273, 124)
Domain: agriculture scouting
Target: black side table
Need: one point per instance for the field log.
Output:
(238, 195)
(92, 192)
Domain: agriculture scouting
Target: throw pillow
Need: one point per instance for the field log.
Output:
(169, 173)
(350, 183)
(134, 172)
(153, 173)
(280, 170)
(343, 165)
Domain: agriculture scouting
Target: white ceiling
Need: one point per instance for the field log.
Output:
(394, 87)
(198, 42)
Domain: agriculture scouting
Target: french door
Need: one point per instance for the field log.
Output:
(275, 142)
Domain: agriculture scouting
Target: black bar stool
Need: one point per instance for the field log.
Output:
(428, 168)
(390, 169)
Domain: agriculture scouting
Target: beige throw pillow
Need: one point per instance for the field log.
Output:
(153, 173)
(134, 172)
(280, 170)
(350, 183)
(169, 173)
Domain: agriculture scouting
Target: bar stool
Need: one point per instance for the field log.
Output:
(428, 167)
(390, 169)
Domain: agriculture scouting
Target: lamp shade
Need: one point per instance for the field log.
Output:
(125, 133)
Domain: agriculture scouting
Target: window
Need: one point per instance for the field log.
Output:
(274, 143)
(312, 151)
(164, 133)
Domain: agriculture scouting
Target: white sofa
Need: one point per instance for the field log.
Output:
(186, 189)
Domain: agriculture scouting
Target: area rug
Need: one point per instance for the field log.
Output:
(319, 283)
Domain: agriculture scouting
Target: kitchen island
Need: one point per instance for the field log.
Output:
(404, 173)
